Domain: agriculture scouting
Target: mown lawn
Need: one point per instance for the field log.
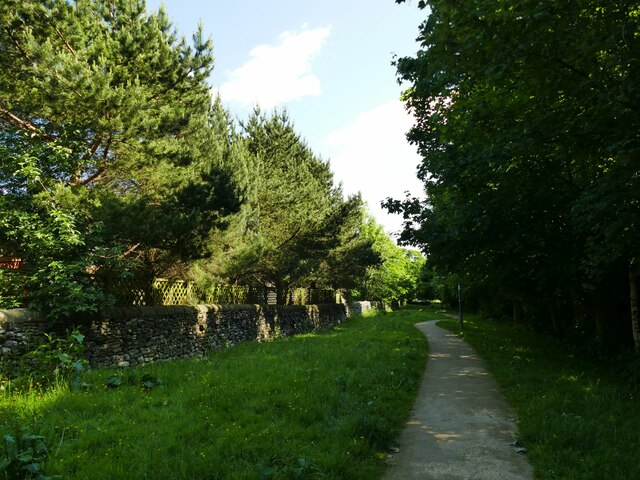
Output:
(327, 405)
(578, 418)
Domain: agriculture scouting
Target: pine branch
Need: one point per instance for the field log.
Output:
(290, 238)
(64, 40)
(17, 44)
(122, 255)
(60, 34)
(93, 149)
(90, 153)
(98, 173)
(52, 71)
(24, 125)
(103, 165)
(101, 169)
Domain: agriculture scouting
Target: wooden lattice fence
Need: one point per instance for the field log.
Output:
(310, 296)
(161, 291)
(233, 294)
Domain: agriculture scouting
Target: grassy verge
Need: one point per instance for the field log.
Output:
(327, 405)
(578, 419)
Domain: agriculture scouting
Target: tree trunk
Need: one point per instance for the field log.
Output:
(554, 320)
(517, 311)
(635, 314)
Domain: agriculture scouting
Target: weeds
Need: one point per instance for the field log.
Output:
(24, 456)
(54, 361)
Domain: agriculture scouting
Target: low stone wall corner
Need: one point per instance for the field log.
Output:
(365, 306)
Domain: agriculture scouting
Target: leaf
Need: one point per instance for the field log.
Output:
(64, 357)
(33, 468)
(78, 337)
(36, 443)
(5, 464)
(25, 458)
(268, 472)
(41, 449)
(113, 382)
(78, 366)
(149, 381)
(10, 447)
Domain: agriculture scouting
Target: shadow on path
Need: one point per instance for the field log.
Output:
(460, 427)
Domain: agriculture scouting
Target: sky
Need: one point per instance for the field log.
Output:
(329, 63)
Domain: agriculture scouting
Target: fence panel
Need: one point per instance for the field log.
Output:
(172, 292)
(162, 291)
(131, 291)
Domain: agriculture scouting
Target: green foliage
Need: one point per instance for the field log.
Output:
(40, 223)
(574, 413)
(113, 382)
(10, 290)
(54, 361)
(295, 228)
(525, 119)
(24, 458)
(110, 165)
(326, 405)
(399, 275)
(147, 381)
(116, 164)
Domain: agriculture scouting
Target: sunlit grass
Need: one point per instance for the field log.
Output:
(577, 418)
(327, 405)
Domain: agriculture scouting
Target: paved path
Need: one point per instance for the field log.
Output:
(460, 427)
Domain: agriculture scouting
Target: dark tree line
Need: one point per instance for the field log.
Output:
(527, 122)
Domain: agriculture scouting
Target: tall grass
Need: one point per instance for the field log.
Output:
(326, 405)
(578, 417)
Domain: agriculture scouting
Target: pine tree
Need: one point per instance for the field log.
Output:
(105, 135)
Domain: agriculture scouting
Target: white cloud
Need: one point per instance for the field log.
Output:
(372, 155)
(275, 74)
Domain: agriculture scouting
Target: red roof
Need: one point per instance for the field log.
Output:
(10, 263)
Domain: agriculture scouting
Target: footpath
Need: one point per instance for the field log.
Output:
(461, 427)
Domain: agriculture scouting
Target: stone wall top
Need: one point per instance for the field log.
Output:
(20, 315)
(147, 311)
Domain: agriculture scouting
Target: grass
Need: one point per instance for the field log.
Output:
(577, 417)
(327, 405)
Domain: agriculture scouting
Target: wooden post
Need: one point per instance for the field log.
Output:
(460, 308)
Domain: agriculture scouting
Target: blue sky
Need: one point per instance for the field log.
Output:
(329, 63)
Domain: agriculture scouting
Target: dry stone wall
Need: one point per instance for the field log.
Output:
(139, 335)
(365, 306)
(17, 326)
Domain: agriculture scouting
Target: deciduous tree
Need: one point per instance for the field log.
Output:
(526, 118)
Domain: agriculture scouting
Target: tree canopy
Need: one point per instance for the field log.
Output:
(108, 159)
(117, 163)
(297, 229)
(526, 119)
(400, 274)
